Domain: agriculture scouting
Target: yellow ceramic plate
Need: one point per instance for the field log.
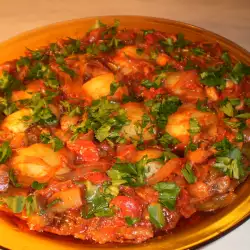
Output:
(210, 227)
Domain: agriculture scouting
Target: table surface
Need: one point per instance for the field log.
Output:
(229, 18)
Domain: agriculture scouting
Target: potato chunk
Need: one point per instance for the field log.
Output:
(15, 122)
(37, 162)
(153, 166)
(99, 86)
(186, 85)
(178, 123)
(69, 199)
(135, 112)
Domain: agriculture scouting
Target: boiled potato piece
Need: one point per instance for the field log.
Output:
(15, 122)
(135, 112)
(185, 84)
(178, 123)
(98, 86)
(37, 162)
(153, 166)
(69, 199)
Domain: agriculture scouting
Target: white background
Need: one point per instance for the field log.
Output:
(230, 18)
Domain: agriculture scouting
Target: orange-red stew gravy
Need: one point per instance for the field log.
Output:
(117, 136)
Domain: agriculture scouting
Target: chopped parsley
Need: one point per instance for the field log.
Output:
(194, 126)
(168, 193)
(8, 83)
(229, 159)
(113, 87)
(226, 58)
(70, 109)
(97, 202)
(169, 45)
(239, 71)
(198, 51)
(38, 186)
(202, 106)
(5, 152)
(42, 71)
(132, 174)
(162, 108)
(156, 215)
(55, 142)
(157, 83)
(131, 221)
(13, 178)
(54, 202)
(41, 113)
(188, 173)
(227, 108)
(167, 140)
(18, 203)
(106, 118)
(213, 77)
(6, 106)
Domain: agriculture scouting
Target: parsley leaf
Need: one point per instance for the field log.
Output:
(8, 83)
(198, 51)
(15, 203)
(194, 126)
(167, 140)
(98, 24)
(106, 118)
(31, 205)
(113, 87)
(42, 71)
(229, 159)
(41, 113)
(97, 202)
(54, 202)
(202, 106)
(239, 71)
(169, 45)
(243, 116)
(18, 203)
(239, 137)
(23, 61)
(226, 58)
(132, 174)
(37, 54)
(191, 146)
(227, 108)
(162, 108)
(168, 193)
(213, 77)
(55, 142)
(156, 215)
(5, 152)
(13, 178)
(38, 186)
(188, 173)
(157, 83)
(146, 32)
(70, 109)
(131, 221)
(6, 106)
